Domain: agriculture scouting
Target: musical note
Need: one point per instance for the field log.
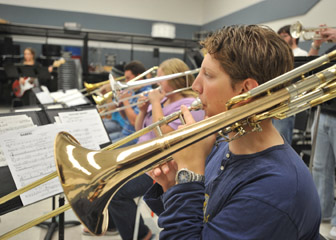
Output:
(29, 154)
(88, 119)
(8, 123)
(72, 97)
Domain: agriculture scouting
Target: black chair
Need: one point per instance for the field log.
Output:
(301, 141)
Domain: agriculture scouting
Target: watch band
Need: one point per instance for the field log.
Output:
(313, 46)
(184, 175)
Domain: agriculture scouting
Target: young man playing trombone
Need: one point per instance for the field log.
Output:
(254, 187)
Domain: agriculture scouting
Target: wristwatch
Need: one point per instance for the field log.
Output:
(313, 46)
(184, 175)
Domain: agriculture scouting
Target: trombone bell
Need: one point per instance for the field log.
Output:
(91, 178)
(297, 30)
(78, 181)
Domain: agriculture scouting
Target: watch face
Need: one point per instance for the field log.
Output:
(184, 176)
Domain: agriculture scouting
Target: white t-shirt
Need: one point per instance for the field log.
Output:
(298, 52)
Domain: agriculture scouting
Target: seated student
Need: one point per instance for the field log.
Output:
(256, 187)
(114, 125)
(132, 70)
(122, 208)
(22, 87)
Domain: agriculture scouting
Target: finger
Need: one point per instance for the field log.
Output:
(165, 168)
(173, 164)
(188, 118)
(157, 172)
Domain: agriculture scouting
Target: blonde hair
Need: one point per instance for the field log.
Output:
(31, 50)
(175, 65)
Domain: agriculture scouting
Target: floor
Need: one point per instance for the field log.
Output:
(21, 216)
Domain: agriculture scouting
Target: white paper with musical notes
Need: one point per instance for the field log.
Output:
(88, 118)
(30, 156)
(44, 98)
(8, 123)
(71, 97)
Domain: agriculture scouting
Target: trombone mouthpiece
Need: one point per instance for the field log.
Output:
(196, 104)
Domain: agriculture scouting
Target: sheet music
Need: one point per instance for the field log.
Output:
(44, 98)
(71, 97)
(83, 134)
(30, 156)
(89, 119)
(44, 89)
(8, 123)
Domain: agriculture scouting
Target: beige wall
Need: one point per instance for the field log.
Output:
(322, 13)
(197, 12)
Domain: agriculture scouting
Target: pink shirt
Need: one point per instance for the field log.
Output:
(169, 109)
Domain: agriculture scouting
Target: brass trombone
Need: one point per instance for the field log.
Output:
(90, 186)
(144, 74)
(118, 86)
(93, 88)
(297, 30)
(134, 104)
(100, 100)
(89, 87)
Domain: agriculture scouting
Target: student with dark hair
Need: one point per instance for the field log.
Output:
(122, 123)
(284, 33)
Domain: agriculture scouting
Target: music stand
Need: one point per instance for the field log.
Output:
(11, 71)
(54, 225)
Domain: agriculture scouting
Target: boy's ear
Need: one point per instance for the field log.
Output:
(248, 84)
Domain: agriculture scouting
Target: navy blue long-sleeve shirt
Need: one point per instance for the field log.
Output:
(266, 195)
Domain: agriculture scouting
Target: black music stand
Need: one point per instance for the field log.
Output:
(60, 225)
(11, 71)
